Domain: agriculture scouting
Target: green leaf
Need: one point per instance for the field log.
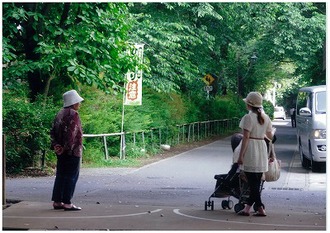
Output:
(71, 68)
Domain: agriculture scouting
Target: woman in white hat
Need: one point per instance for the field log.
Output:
(66, 139)
(253, 156)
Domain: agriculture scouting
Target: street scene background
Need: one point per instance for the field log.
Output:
(184, 182)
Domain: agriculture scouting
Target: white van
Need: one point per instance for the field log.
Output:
(311, 126)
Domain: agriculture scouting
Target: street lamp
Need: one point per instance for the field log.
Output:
(240, 79)
(253, 58)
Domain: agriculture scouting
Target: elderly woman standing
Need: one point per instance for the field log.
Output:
(253, 156)
(66, 139)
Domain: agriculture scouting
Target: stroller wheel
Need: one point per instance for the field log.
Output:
(230, 204)
(238, 207)
(209, 204)
(225, 204)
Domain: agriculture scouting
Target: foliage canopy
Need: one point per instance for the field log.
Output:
(50, 47)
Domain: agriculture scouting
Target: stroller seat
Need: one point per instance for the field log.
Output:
(232, 184)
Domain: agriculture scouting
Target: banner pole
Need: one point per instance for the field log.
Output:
(134, 90)
(122, 136)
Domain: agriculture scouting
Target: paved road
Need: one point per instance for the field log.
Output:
(170, 194)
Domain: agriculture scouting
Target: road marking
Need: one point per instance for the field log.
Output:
(293, 166)
(85, 217)
(177, 211)
(281, 122)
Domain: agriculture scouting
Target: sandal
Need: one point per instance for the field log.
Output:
(243, 213)
(72, 208)
(258, 214)
(57, 206)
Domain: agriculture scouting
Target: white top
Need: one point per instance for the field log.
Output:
(256, 156)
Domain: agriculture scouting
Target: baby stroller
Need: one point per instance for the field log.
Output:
(233, 184)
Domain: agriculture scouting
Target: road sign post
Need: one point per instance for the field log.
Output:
(208, 79)
(208, 89)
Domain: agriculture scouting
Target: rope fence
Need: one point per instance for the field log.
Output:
(179, 134)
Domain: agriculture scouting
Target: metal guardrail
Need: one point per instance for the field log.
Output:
(155, 137)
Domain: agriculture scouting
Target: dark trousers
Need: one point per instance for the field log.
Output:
(293, 121)
(67, 173)
(254, 181)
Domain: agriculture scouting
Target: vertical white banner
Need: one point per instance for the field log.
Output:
(133, 86)
(133, 90)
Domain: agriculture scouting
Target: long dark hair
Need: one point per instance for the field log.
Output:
(258, 111)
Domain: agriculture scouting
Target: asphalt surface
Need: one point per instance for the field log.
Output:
(170, 195)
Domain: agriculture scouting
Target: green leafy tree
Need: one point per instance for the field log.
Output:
(48, 47)
(71, 42)
(172, 36)
(26, 129)
(293, 33)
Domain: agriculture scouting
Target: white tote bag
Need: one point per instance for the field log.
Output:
(274, 166)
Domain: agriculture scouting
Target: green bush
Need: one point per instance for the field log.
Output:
(227, 107)
(27, 124)
(26, 128)
(101, 113)
(134, 151)
(269, 109)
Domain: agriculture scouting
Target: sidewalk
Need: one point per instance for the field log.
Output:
(40, 216)
(168, 195)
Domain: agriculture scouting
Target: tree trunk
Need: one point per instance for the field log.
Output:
(34, 77)
(47, 86)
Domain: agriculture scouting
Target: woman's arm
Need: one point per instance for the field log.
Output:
(269, 136)
(245, 141)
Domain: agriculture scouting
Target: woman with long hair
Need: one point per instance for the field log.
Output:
(253, 156)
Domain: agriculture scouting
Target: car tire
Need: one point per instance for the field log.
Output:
(305, 163)
(315, 166)
(319, 167)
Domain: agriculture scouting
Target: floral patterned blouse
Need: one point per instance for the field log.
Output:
(67, 132)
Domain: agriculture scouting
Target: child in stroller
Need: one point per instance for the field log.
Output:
(234, 183)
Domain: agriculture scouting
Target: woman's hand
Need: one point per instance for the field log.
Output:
(240, 160)
(58, 149)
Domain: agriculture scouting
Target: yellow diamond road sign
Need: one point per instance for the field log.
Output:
(208, 79)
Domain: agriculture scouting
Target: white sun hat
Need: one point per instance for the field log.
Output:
(71, 98)
(254, 99)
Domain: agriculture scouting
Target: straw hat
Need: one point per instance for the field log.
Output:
(254, 99)
(71, 98)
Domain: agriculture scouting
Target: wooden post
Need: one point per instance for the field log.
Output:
(143, 141)
(3, 170)
(43, 157)
(189, 129)
(160, 136)
(123, 146)
(105, 148)
(198, 129)
(152, 138)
